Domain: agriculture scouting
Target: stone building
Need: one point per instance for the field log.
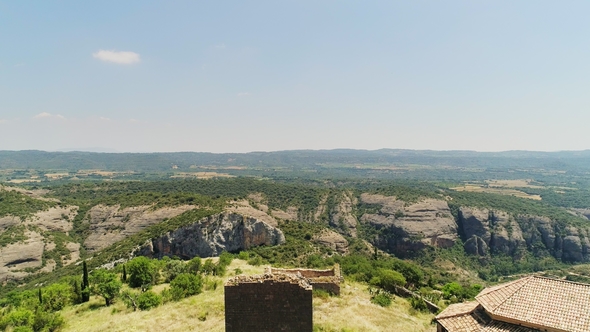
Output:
(328, 280)
(526, 305)
(268, 303)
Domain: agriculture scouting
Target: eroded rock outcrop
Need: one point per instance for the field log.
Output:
(109, 224)
(342, 216)
(485, 231)
(18, 256)
(211, 236)
(405, 229)
(332, 240)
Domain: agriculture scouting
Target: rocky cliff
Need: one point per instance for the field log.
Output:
(227, 231)
(405, 229)
(109, 224)
(484, 231)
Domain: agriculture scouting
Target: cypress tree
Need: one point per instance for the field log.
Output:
(124, 274)
(85, 284)
(40, 297)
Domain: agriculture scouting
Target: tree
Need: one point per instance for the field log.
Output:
(85, 283)
(124, 274)
(185, 285)
(142, 272)
(391, 279)
(106, 284)
(40, 297)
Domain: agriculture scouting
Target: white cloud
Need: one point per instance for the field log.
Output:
(45, 115)
(120, 57)
(243, 94)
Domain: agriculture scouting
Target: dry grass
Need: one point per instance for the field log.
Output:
(352, 311)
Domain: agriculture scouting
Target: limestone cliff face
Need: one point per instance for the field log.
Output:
(485, 231)
(109, 224)
(210, 236)
(342, 216)
(406, 229)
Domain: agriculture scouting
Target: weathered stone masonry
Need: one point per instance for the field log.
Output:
(268, 303)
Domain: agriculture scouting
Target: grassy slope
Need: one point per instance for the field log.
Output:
(352, 311)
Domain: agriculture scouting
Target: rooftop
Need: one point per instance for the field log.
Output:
(540, 302)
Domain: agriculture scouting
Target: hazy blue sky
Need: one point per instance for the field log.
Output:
(237, 76)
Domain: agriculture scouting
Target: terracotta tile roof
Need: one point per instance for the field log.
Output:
(470, 317)
(540, 302)
(458, 309)
(463, 317)
(496, 326)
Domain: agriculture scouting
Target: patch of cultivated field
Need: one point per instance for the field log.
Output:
(351, 311)
(496, 190)
(201, 175)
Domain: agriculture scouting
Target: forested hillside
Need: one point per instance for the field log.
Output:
(441, 239)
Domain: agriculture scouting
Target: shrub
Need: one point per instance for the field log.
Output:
(174, 268)
(418, 304)
(381, 299)
(148, 300)
(208, 267)
(56, 297)
(243, 255)
(141, 272)
(256, 261)
(16, 318)
(46, 321)
(194, 265)
(185, 285)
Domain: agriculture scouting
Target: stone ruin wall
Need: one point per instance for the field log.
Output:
(309, 273)
(328, 280)
(268, 303)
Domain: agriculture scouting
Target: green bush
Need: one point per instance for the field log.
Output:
(174, 268)
(185, 285)
(418, 304)
(16, 318)
(243, 255)
(256, 261)
(141, 272)
(381, 299)
(208, 267)
(148, 300)
(56, 296)
(46, 321)
(194, 265)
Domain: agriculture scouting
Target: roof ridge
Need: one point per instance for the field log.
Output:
(564, 281)
(524, 282)
(495, 288)
(459, 313)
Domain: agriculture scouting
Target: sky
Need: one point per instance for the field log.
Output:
(240, 76)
